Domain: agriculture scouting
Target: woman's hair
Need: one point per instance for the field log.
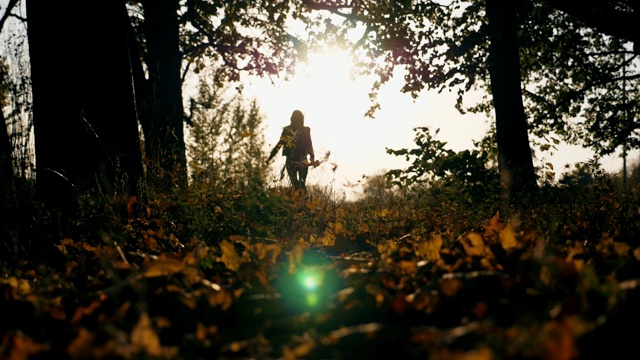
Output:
(297, 119)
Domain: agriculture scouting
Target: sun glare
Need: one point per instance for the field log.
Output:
(334, 102)
(326, 78)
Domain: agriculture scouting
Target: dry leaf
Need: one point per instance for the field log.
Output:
(508, 237)
(230, 257)
(473, 244)
(163, 267)
(494, 226)
(144, 337)
(430, 249)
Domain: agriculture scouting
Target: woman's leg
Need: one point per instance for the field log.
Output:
(292, 170)
(303, 176)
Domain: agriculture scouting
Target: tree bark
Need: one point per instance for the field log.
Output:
(515, 160)
(86, 134)
(164, 113)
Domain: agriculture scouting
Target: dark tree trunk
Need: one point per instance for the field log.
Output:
(163, 109)
(515, 160)
(6, 158)
(7, 191)
(86, 134)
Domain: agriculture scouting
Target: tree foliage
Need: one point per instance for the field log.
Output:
(226, 146)
(457, 46)
(433, 164)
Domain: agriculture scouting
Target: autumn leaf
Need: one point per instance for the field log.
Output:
(494, 227)
(163, 266)
(144, 337)
(20, 287)
(81, 346)
(63, 245)
(473, 244)
(21, 347)
(299, 351)
(82, 311)
(507, 237)
(328, 238)
(450, 286)
(338, 228)
(230, 256)
(386, 249)
(430, 248)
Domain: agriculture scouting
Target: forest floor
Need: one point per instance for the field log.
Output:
(497, 293)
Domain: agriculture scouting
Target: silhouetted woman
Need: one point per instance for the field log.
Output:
(296, 145)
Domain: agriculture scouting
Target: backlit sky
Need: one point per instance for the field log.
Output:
(334, 105)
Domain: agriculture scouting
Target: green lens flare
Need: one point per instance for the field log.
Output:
(310, 279)
(310, 283)
(312, 299)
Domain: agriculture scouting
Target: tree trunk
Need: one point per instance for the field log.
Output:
(7, 191)
(164, 113)
(515, 162)
(6, 158)
(86, 134)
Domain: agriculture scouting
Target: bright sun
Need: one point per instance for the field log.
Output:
(326, 81)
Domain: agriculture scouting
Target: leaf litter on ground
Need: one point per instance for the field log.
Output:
(500, 293)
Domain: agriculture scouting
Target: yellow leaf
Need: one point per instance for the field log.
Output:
(508, 237)
(163, 267)
(299, 351)
(230, 257)
(494, 226)
(408, 266)
(63, 245)
(430, 249)
(143, 336)
(328, 239)
(473, 244)
(21, 286)
(386, 249)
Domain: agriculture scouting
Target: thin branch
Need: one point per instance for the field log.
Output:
(7, 12)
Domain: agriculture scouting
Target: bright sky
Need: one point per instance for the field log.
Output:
(334, 105)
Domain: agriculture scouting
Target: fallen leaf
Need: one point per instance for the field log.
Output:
(473, 244)
(230, 256)
(494, 226)
(508, 237)
(81, 346)
(430, 248)
(144, 337)
(163, 267)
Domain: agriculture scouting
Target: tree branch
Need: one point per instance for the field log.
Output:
(603, 16)
(7, 12)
